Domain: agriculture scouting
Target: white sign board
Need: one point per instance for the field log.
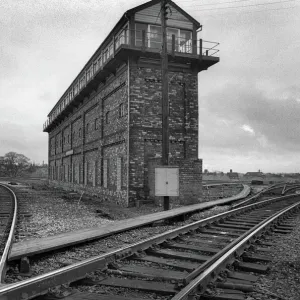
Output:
(166, 181)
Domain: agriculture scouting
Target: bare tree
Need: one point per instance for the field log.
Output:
(13, 163)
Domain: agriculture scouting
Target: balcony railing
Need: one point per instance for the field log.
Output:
(139, 40)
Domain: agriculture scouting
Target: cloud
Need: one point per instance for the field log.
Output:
(248, 128)
(248, 102)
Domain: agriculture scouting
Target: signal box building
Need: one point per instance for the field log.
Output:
(105, 132)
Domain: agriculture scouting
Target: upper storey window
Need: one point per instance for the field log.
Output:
(121, 37)
(183, 40)
(153, 37)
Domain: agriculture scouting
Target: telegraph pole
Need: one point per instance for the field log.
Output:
(165, 94)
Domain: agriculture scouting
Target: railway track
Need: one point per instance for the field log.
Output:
(177, 264)
(8, 218)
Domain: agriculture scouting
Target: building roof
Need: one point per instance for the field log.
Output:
(259, 174)
(233, 175)
(153, 2)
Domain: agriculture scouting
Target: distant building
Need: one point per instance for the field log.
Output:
(255, 174)
(233, 175)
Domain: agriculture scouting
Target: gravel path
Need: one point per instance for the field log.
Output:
(283, 280)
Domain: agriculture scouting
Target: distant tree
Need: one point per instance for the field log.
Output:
(32, 168)
(14, 163)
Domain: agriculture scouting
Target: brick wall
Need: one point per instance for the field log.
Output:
(93, 139)
(96, 157)
(145, 123)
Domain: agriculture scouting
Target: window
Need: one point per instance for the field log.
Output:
(107, 118)
(183, 40)
(110, 49)
(121, 110)
(88, 75)
(155, 37)
(121, 38)
(96, 123)
(87, 127)
(138, 35)
(68, 138)
(76, 88)
(95, 66)
(79, 132)
(100, 62)
(105, 55)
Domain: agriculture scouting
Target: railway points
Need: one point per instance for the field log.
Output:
(43, 245)
(163, 250)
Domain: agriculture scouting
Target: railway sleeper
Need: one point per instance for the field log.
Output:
(91, 296)
(225, 294)
(183, 266)
(136, 284)
(148, 272)
(193, 248)
(178, 255)
(256, 258)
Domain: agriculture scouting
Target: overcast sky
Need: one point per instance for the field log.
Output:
(249, 103)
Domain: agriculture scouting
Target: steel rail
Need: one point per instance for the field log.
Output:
(200, 282)
(259, 194)
(10, 236)
(33, 287)
(249, 199)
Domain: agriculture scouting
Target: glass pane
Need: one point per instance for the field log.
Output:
(155, 37)
(185, 41)
(170, 32)
(139, 27)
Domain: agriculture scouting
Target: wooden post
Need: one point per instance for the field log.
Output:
(165, 96)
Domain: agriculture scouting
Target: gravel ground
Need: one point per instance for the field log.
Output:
(283, 280)
(53, 211)
(51, 215)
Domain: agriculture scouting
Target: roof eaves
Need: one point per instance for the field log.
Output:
(153, 2)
